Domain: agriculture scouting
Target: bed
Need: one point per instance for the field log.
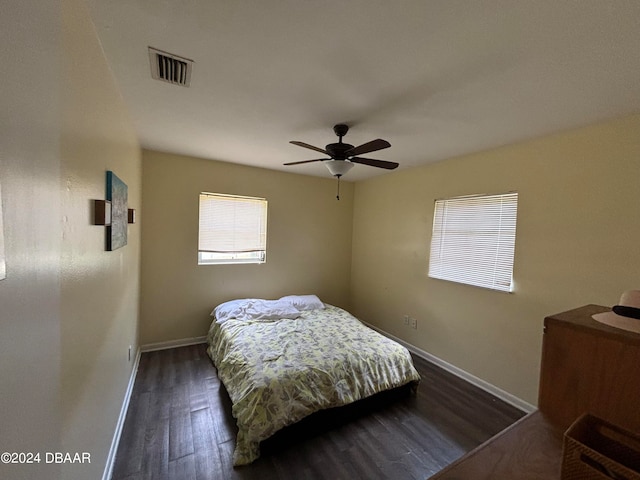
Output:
(282, 360)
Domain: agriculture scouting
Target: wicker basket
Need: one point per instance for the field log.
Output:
(597, 450)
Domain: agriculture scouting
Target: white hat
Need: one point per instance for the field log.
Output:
(625, 315)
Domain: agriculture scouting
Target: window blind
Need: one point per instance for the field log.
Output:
(232, 224)
(473, 240)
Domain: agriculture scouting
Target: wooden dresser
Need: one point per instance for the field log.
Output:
(589, 367)
(586, 367)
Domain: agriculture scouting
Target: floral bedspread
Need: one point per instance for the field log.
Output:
(278, 372)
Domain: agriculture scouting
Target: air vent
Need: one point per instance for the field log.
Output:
(170, 68)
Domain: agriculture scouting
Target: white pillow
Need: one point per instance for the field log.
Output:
(254, 309)
(304, 302)
(230, 309)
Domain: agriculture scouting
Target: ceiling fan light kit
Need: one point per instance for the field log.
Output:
(338, 167)
(343, 155)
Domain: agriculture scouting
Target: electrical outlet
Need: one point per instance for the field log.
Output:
(414, 323)
(406, 319)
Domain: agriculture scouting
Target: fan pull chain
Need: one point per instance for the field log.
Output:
(338, 195)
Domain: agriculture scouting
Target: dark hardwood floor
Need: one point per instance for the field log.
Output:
(179, 426)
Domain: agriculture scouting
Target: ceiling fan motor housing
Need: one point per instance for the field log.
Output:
(338, 151)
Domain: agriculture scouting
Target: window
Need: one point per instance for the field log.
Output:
(232, 229)
(473, 240)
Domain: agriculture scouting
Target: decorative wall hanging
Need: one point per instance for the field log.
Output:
(113, 212)
(117, 195)
(102, 212)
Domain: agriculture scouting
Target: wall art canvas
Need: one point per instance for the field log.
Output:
(117, 195)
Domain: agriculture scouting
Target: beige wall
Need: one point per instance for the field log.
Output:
(308, 242)
(30, 185)
(69, 309)
(100, 289)
(577, 243)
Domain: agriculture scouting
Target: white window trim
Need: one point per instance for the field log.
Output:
(473, 240)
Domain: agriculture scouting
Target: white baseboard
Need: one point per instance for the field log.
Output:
(111, 458)
(472, 379)
(183, 342)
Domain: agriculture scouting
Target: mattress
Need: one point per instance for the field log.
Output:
(279, 371)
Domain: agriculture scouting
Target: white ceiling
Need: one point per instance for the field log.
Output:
(435, 78)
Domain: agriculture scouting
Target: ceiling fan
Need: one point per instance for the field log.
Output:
(343, 155)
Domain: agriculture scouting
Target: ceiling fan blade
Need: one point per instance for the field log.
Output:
(306, 145)
(375, 163)
(372, 146)
(307, 161)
